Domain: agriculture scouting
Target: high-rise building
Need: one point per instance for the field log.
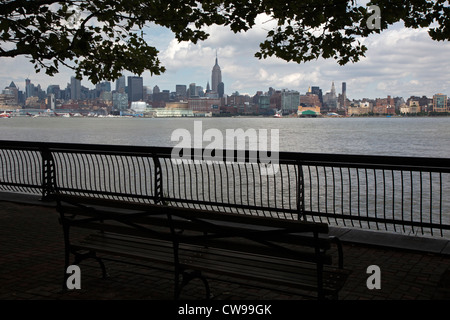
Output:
(180, 90)
(29, 88)
(290, 100)
(216, 77)
(120, 101)
(333, 90)
(104, 86)
(135, 88)
(221, 89)
(13, 91)
(317, 91)
(440, 103)
(51, 103)
(75, 89)
(120, 84)
(344, 93)
(54, 89)
(200, 91)
(193, 90)
(330, 100)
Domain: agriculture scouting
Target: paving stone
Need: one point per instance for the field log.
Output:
(32, 269)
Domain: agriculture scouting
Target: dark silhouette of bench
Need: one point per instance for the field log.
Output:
(196, 243)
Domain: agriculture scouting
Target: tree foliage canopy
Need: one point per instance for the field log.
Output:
(100, 39)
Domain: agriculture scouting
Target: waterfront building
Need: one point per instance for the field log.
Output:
(173, 109)
(308, 111)
(264, 103)
(363, 108)
(120, 101)
(405, 109)
(440, 103)
(290, 100)
(204, 106)
(138, 106)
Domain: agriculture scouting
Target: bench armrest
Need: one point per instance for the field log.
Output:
(338, 243)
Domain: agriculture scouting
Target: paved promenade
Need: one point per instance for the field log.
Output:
(31, 264)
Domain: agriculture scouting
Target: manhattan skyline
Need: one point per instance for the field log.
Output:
(399, 62)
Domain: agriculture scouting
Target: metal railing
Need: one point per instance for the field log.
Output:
(399, 194)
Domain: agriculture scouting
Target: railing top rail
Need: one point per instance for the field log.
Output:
(317, 159)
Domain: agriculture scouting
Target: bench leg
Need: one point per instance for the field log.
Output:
(91, 254)
(186, 278)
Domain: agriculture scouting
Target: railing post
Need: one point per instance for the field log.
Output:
(48, 174)
(300, 192)
(158, 181)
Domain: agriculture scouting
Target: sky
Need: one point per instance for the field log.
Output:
(399, 62)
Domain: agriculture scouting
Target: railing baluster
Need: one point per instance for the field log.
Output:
(133, 173)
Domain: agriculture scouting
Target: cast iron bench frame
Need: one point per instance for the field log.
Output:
(195, 243)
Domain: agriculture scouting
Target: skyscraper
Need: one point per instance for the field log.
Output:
(75, 89)
(193, 90)
(135, 88)
(317, 91)
(330, 99)
(221, 89)
(290, 100)
(29, 88)
(344, 94)
(180, 90)
(120, 84)
(216, 77)
(333, 90)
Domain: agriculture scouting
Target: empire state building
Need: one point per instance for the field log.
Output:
(216, 77)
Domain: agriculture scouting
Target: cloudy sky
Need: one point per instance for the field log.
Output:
(399, 62)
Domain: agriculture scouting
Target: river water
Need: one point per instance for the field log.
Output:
(351, 192)
(422, 137)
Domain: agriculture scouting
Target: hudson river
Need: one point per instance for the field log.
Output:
(423, 137)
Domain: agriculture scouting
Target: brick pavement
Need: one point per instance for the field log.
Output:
(31, 251)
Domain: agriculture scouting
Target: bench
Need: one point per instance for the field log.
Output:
(199, 244)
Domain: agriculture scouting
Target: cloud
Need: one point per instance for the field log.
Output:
(399, 62)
